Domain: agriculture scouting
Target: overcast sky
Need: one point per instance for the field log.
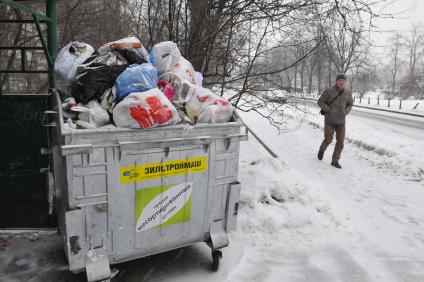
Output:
(405, 12)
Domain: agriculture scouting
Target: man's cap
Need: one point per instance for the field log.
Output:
(341, 76)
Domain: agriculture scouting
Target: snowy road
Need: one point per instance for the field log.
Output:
(299, 219)
(403, 125)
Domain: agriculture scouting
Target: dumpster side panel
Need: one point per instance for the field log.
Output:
(90, 192)
(185, 227)
(225, 172)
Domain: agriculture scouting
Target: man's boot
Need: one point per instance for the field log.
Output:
(336, 164)
(320, 155)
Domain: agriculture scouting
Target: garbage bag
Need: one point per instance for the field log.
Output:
(176, 83)
(181, 86)
(108, 99)
(65, 66)
(203, 106)
(67, 105)
(167, 89)
(145, 110)
(184, 69)
(136, 78)
(130, 48)
(97, 74)
(164, 56)
(199, 78)
(92, 113)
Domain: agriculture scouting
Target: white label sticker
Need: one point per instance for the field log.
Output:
(162, 208)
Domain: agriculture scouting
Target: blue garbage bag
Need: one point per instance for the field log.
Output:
(136, 78)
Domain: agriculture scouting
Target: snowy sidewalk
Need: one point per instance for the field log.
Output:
(362, 223)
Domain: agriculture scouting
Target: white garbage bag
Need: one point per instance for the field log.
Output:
(145, 110)
(199, 78)
(203, 106)
(164, 56)
(67, 61)
(92, 113)
(184, 69)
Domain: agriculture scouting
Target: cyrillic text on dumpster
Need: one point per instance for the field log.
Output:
(160, 169)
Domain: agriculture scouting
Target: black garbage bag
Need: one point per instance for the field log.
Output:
(130, 48)
(133, 56)
(97, 74)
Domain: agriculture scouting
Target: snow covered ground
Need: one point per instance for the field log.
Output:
(361, 223)
(300, 219)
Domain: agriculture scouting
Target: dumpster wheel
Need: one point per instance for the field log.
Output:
(216, 256)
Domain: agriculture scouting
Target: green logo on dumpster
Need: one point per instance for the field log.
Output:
(163, 206)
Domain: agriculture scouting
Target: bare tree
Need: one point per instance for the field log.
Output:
(414, 45)
(345, 46)
(395, 47)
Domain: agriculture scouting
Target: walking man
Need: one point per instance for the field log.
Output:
(335, 103)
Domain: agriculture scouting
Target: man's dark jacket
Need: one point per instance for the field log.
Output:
(337, 111)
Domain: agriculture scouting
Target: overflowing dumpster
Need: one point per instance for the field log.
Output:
(122, 194)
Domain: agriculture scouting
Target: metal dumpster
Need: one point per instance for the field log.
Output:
(123, 194)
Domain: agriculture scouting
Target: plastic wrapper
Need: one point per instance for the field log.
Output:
(203, 106)
(145, 110)
(136, 78)
(130, 48)
(97, 74)
(65, 66)
(92, 113)
(184, 70)
(164, 56)
(167, 89)
(108, 99)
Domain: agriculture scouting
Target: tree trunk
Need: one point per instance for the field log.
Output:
(198, 27)
(319, 73)
(302, 76)
(171, 20)
(295, 78)
(310, 78)
(329, 73)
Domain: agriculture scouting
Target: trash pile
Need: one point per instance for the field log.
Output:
(123, 85)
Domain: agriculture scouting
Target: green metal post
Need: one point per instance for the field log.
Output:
(50, 59)
(51, 37)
